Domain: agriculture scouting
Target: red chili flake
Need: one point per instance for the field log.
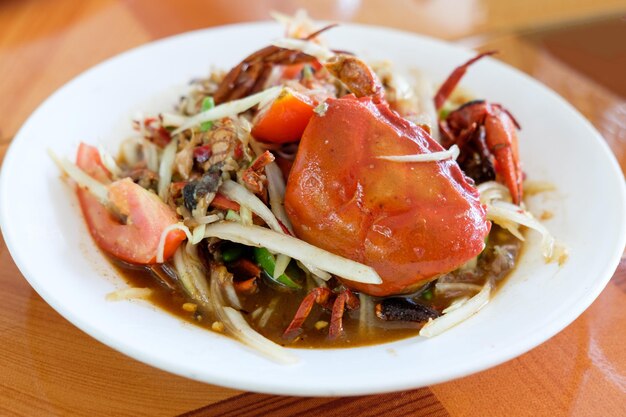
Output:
(282, 226)
(246, 287)
(202, 153)
(245, 268)
(163, 136)
(177, 187)
(238, 151)
(156, 132)
(262, 160)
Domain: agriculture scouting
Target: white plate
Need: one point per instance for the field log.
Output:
(50, 244)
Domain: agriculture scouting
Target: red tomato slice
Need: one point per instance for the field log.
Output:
(285, 119)
(137, 240)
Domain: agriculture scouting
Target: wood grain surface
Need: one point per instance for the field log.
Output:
(49, 367)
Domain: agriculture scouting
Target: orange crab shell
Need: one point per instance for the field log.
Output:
(409, 221)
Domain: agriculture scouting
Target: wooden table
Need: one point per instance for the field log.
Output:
(49, 367)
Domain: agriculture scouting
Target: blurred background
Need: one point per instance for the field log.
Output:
(576, 47)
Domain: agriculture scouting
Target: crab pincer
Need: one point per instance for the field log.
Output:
(476, 124)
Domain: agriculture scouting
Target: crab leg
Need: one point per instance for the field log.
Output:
(450, 84)
(317, 295)
(344, 299)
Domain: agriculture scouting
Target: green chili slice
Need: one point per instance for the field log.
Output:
(266, 260)
(232, 252)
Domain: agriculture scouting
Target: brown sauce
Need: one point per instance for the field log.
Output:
(286, 304)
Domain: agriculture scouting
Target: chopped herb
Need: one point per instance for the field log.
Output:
(232, 216)
(207, 103)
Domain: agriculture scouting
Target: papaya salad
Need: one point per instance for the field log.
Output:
(307, 199)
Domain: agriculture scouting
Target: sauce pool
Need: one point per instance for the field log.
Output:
(167, 297)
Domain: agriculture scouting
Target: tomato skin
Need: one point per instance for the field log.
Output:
(136, 241)
(409, 221)
(88, 159)
(285, 119)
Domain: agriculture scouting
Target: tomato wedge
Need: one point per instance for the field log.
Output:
(137, 239)
(285, 119)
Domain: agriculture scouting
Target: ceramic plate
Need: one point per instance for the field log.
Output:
(49, 242)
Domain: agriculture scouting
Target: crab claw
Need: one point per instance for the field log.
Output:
(497, 126)
(476, 120)
(502, 143)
